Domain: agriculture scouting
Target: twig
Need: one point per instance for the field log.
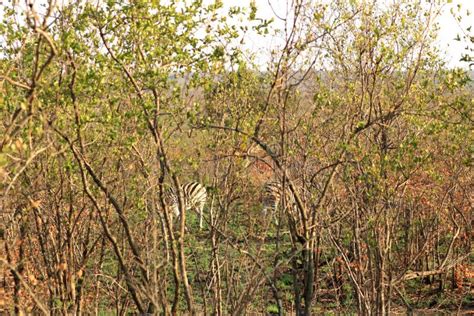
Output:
(40, 305)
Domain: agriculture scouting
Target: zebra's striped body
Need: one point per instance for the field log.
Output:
(194, 197)
(272, 199)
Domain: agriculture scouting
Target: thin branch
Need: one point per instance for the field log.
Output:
(15, 83)
(32, 157)
(33, 296)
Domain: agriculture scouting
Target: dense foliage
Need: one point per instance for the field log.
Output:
(105, 105)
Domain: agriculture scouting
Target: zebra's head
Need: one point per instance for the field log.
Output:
(171, 200)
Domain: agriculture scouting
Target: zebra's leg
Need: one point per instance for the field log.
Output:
(175, 216)
(200, 211)
(200, 218)
(270, 211)
(263, 218)
(178, 223)
(275, 218)
(275, 213)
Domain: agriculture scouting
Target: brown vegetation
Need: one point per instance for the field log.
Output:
(106, 106)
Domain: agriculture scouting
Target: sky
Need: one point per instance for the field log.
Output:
(449, 27)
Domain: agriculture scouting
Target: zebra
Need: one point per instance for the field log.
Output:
(194, 197)
(272, 198)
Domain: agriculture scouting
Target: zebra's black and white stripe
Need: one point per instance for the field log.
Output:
(272, 198)
(194, 197)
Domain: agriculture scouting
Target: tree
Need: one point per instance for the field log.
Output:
(105, 106)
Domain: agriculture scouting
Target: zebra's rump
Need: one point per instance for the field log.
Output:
(194, 194)
(194, 198)
(272, 193)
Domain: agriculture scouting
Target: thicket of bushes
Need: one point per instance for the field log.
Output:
(106, 105)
